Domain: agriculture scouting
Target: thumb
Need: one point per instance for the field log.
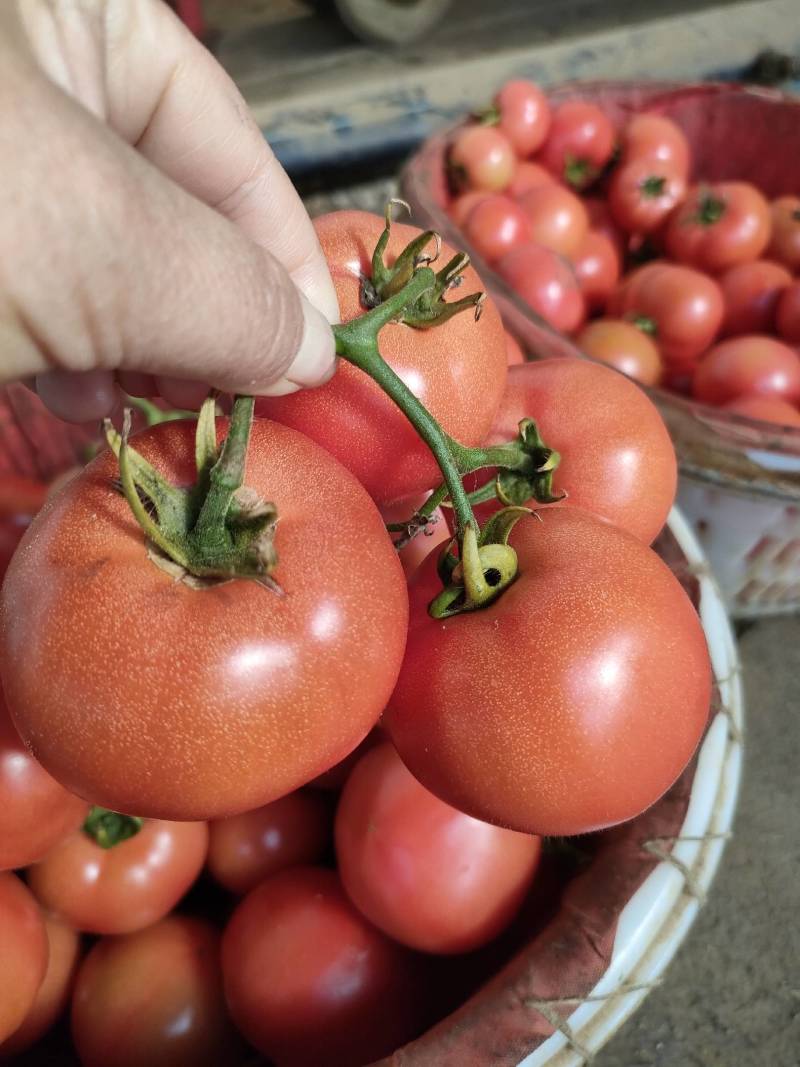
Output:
(107, 265)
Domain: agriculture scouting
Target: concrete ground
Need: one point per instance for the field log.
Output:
(731, 997)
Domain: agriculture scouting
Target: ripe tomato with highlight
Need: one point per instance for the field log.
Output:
(426, 874)
(457, 370)
(573, 715)
(547, 283)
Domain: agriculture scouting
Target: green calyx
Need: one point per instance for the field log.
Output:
(216, 528)
(490, 116)
(108, 828)
(579, 172)
(653, 187)
(430, 308)
(486, 567)
(710, 209)
(645, 324)
(532, 480)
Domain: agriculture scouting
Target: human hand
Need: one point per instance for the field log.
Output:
(148, 236)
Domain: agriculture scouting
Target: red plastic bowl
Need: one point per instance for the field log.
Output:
(752, 134)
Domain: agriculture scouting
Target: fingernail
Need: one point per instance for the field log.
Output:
(280, 388)
(315, 361)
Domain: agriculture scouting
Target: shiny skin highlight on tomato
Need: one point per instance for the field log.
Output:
(570, 703)
(719, 225)
(457, 370)
(154, 999)
(426, 874)
(309, 980)
(617, 459)
(53, 994)
(748, 366)
(35, 811)
(123, 888)
(23, 942)
(244, 849)
(685, 307)
(154, 698)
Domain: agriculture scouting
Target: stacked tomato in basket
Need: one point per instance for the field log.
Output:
(211, 614)
(604, 234)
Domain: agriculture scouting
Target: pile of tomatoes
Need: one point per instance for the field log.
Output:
(215, 714)
(599, 229)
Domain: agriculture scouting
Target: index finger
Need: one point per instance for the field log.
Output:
(166, 95)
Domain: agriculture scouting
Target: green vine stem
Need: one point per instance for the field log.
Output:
(357, 342)
(218, 529)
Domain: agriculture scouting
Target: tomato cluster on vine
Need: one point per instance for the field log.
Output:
(429, 582)
(607, 234)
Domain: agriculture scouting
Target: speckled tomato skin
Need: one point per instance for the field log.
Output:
(617, 459)
(125, 888)
(53, 995)
(457, 370)
(35, 811)
(23, 949)
(573, 702)
(144, 695)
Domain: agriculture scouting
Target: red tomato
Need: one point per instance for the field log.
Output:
(656, 138)
(424, 873)
(527, 176)
(617, 459)
(524, 115)
(244, 849)
(642, 192)
(54, 992)
(624, 347)
(309, 981)
(462, 205)
(481, 157)
(557, 218)
(35, 811)
(124, 888)
(751, 292)
(597, 268)
(766, 408)
(787, 318)
(718, 226)
(602, 221)
(514, 353)
(547, 283)
(684, 306)
(605, 683)
(236, 696)
(24, 952)
(154, 997)
(495, 226)
(746, 366)
(580, 143)
(457, 370)
(785, 242)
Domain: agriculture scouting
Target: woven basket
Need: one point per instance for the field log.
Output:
(740, 478)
